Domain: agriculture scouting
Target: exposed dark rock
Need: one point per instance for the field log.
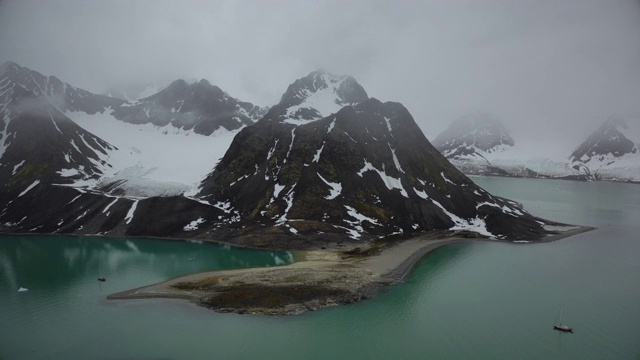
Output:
(42, 144)
(356, 169)
(201, 107)
(306, 98)
(366, 171)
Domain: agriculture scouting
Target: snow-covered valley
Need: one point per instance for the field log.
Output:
(152, 160)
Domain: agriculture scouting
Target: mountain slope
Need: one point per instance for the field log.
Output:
(304, 175)
(37, 141)
(364, 172)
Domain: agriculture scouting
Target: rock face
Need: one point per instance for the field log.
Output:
(366, 171)
(38, 142)
(609, 153)
(326, 164)
(201, 107)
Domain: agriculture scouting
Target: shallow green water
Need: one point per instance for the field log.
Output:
(463, 301)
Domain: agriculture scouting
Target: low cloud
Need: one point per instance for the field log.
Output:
(551, 70)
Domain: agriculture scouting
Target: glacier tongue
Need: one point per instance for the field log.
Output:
(152, 160)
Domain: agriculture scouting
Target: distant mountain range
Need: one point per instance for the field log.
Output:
(479, 144)
(201, 107)
(325, 164)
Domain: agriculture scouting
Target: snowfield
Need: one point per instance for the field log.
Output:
(152, 160)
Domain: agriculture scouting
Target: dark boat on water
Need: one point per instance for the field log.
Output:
(558, 324)
(100, 277)
(564, 328)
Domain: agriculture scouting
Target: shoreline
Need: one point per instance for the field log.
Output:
(322, 279)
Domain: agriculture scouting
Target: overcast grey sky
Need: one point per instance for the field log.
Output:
(545, 67)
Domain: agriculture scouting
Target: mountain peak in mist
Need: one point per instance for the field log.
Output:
(606, 143)
(317, 95)
(9, 66)
(63, 96)
(474, 133)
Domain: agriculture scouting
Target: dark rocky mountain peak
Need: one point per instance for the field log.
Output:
(363, 172)
(473, 135)
(315, 96)
(200, 106)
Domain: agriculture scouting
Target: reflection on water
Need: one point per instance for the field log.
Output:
(48, 262)
(61, 272)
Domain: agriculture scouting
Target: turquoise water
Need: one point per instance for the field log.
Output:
(463, 301)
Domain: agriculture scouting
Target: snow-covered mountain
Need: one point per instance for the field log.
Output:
(201, 107)
(326, 162)
(479, 144)
(472, 140)
(171, 140)
(38, 143)
(315, 96)
(612, 152)
(364, 171)
(139, 160)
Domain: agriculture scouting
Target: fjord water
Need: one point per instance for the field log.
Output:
(464, 301)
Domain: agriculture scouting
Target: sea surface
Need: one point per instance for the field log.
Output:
(463, 301)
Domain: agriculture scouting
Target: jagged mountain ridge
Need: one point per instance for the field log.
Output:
(151, 160)
(62, 95)
(343, 176)
(201, 107)
(52, 169)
